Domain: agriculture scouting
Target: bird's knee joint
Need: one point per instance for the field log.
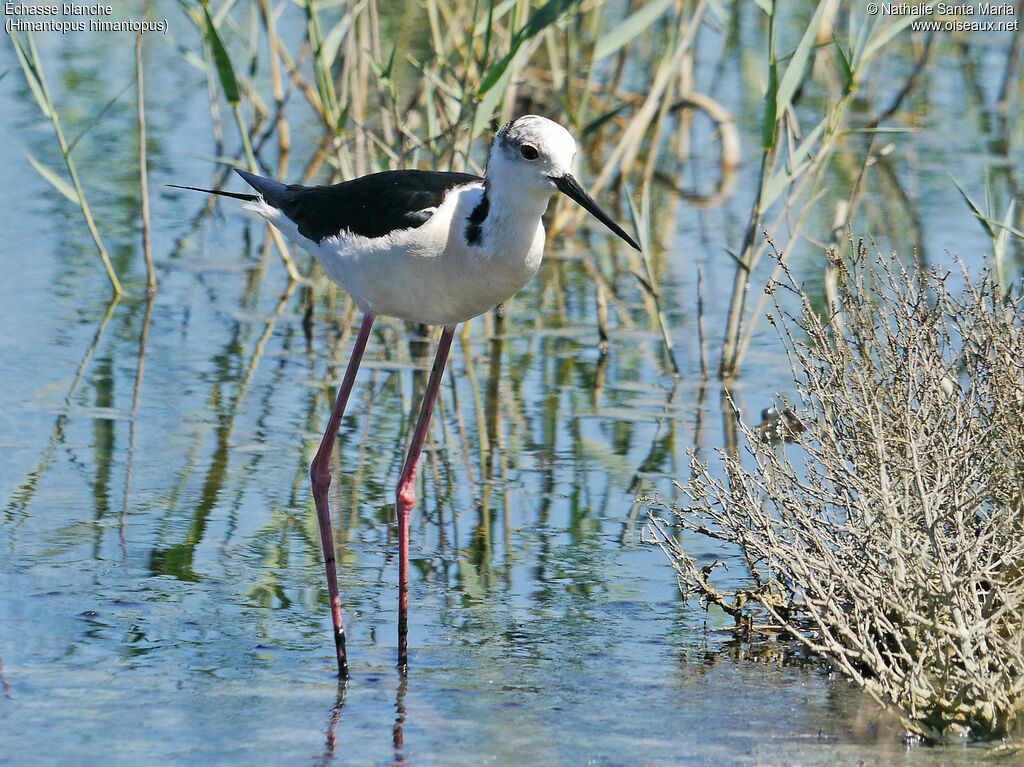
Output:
(320, 477)
(407, 496)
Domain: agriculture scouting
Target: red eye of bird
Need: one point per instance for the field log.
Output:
(529, 152)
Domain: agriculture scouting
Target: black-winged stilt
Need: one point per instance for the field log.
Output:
(426, 246)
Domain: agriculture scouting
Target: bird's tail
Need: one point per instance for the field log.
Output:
(235, 195)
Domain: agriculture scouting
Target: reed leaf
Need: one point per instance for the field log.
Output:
(798, 62)
(641, 220)
(859, 38)
(983, 219)
(29, 58)
(844, 63)
(998, 231)
(623, 33)
(498, 70)
(1001, 243)
(596, 124)
(494, 13)
(539, 20)
(223, 12)
(188, 55)
(786, 174)
(883, 37)
(98, 116)
(221, 59)
(58, 183)
(333, 39)
(322, 65)
(770, 108)
(32, 76)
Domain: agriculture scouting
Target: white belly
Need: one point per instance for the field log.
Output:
(430, 274)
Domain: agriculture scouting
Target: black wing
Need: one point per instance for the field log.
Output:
(371, 206)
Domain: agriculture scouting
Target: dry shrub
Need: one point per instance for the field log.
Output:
(889, 539)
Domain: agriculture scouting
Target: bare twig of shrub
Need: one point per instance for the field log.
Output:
(889, 538)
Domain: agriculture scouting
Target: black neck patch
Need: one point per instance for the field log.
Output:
(475, 222)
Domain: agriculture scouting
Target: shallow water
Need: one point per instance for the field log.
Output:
(161, 592)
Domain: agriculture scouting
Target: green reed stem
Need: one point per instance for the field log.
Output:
(144, 173)
(32, 67)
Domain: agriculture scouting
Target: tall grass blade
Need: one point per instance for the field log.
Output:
(844, 62)
(322, 65)
(798, 63)
(495, 73)
(228, 80)
(488, 104)
(543, 17)
(998, 231)
(32, 75)
(859, 38)
(144, 192)
(223, 12)
(188, 55)
(623, 33)
(888, 33)
(97, 117)
(790, 171)
(771, 100)
(641, 220)
(333, 39)
(595, 124)
(982, 217)
(29, 58)
(990, 194)
(494, 13)
(1000, 245)
(58, 183)
(221, 59)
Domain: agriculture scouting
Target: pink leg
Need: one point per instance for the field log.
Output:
(407, 491)
(320, 475)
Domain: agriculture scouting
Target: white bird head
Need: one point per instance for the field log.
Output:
(534, 155)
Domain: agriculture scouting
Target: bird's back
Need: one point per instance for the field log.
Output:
(370, 206)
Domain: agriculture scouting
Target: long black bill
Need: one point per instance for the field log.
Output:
(236, 195)
(570, 187)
